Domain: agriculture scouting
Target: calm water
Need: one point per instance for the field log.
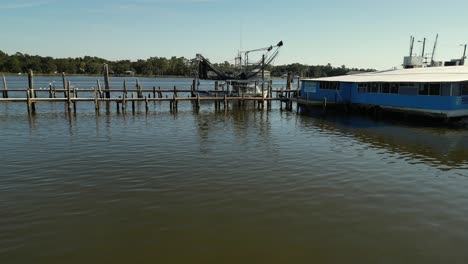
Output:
(242, 186)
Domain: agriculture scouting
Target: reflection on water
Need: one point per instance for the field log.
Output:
(446, 148)
(232, 187)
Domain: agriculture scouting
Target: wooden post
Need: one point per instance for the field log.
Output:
(154, 92)
(5, 89)
(74, 101)
(133, 102)
(194, 88)
(263, 95)
(50, 90)
(160, 93)
(106, 80)
(175, 91)
(270, 93)
(99, 88)
(174, 102)
(281, 101)
(288, 87)
(68, 96)
(125, 87)
(31, 90)
(225, 101)
(216, 94)
(28, 98)
(146, 104)
(96, 103)
(53, 91)
(64, 80)
(138, 86)
(197, 104)
(124, 103)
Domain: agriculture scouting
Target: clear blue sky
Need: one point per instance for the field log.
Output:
(358, 33)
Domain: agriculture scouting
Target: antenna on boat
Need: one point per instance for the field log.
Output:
(411, 46)
(464, 55)
(424, 47)
(434, 50)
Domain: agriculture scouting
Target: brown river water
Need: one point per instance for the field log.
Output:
(241, 186)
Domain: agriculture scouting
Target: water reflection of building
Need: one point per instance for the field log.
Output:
(439, 147)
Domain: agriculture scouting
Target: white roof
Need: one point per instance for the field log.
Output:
(415, 75)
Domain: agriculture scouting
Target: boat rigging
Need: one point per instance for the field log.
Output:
(245, 70)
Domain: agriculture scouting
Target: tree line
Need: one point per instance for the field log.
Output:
(154, 66)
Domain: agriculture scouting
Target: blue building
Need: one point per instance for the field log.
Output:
(432, 91)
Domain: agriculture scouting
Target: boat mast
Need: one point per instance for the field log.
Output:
(434, 50)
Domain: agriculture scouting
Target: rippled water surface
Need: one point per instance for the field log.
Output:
(241, 186)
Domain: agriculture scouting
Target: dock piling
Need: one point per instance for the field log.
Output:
(100, 89)
(50, 91)
(146, 104)
(64, 81)
(74, 101)
(96, 103)
(5, 89)
(225, 102)
(193, 88)
(216, 94)
(106, 80)
(31, 103)
(68, 96)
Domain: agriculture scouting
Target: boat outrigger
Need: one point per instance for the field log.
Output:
(247, 78)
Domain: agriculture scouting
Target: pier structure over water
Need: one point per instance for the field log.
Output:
(123, 97)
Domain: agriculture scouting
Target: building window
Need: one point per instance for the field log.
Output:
(408, 89)
(450, 89)
(329, 85)
(464, 88)
(385, 88)
(310, 87)
(455, 89)
(374, 88)
(394, 88)
(424, 89)
(362, 87)
(434, 89)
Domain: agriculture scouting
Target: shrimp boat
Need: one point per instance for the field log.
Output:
(247, 79)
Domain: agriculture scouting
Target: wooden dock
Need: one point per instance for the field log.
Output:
(122, 97)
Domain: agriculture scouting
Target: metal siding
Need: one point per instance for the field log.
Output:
(349, 93)
(406, 101)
